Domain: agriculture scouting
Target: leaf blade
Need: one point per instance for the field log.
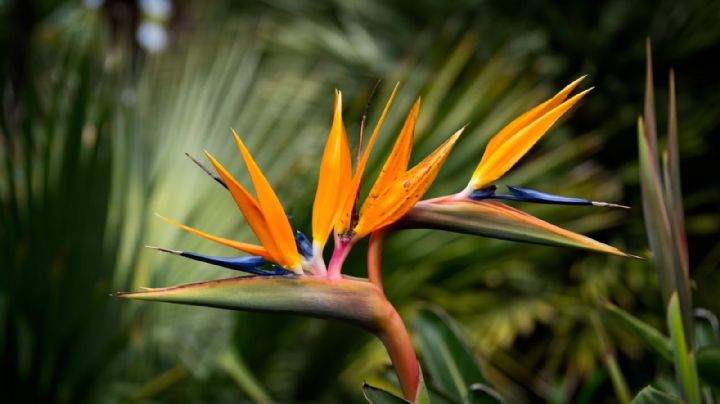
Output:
(651, 395)
(685, 368)
(447, 358)
(376, 395)
(652, 337)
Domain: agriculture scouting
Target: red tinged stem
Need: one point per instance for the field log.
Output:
(397, 342)
(340, 253)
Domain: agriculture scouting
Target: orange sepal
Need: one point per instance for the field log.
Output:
(396, 164)
(343, 222)
(528, 117)
(252, 249)
(249, 208)
(335, 177)
(273, 212)
(404, 192)
(498, 160)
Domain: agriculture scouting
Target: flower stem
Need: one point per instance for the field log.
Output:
(318, 263)
(340, 253)
(374, 259)
(397, 342)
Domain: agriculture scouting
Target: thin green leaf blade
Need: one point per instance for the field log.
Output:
(652, 337)
(482, 394)
(423, 396)
(708, 365)
(673, 187)
(657, 225)
(449, 362)
(658, 197)
(233, 364)
(649, 107)
(685, 369)
(376, 395)
(651, 395)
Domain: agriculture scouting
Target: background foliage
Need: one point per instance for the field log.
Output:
(94, 128)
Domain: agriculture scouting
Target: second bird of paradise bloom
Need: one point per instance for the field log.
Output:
(290, 273)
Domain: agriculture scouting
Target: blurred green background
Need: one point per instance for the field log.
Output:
(100, 99)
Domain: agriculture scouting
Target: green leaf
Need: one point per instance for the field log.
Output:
(423, 396)
(649, 104)
(496, 220)
(651, 395)
(236, 368)
(652, 337)
(449, 362)
(662, 205)
(657, 224)
(685, 369)
(706, 328)
(708, 365)
(375, 395)
(482, 394)
(673, 188)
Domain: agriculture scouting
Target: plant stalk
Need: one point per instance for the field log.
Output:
(397, 342)
(374, 259)
(340, 253)
(351, 300)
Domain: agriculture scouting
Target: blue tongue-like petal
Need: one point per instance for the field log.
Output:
(250, 264)
(247, 264)
(483, 193)
(531, 195)
(303, 244)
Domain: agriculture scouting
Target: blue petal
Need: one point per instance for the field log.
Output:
(483, 193)
(248, 264)
(277, 270)
(531, 195)
(303, 244)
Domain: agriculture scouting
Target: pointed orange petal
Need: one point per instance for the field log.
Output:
(397, 162)
(335, 176)
(344, 218)
(404, 192)
(245, 247)
(509, 152)
(528, 117)
(272, 210)
(249, 208)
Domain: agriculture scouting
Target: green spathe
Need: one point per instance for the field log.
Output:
(496, 220)
(351, 300)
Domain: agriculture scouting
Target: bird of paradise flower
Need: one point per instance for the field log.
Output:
(289, 271)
